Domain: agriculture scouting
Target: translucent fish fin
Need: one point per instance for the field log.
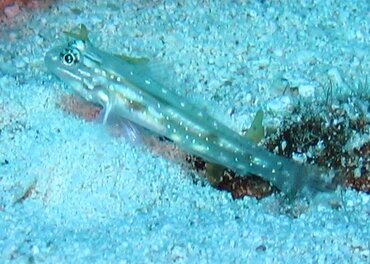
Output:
(131, 131)
(147, 69)
(150, 69)
(120, 126)
(106, 111)
(214, 173)
(256, 131)
(80, 32)
(162, 73)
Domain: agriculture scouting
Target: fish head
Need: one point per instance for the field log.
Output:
(72, 64)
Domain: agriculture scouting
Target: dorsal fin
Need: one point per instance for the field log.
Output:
(80, 32)
(256, 131)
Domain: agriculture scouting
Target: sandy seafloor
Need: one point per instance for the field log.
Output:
(90, 197)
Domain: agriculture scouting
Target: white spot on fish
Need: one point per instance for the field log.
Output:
(198, 147)
(86, 74)
(147, 82)
(176, 137)
(257, 161)
(241, 167)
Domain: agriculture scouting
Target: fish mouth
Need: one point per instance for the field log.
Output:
(51, 59)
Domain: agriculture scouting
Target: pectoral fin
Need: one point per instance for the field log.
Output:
(106, 111)
(120, 126)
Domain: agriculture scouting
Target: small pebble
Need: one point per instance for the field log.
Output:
(335, 76)
(366, 253)
(13, 36)
(280, 105)
(20, 63)
(365, 199)
(11, 11)
(261, 248)
(39, 40)
(35, 250)
(278, 52)
(306, 90)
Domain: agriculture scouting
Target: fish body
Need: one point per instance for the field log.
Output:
(126, 87)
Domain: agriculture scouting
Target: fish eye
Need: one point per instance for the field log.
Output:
(70, 57)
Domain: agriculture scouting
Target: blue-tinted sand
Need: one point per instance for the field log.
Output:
(71, 192)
